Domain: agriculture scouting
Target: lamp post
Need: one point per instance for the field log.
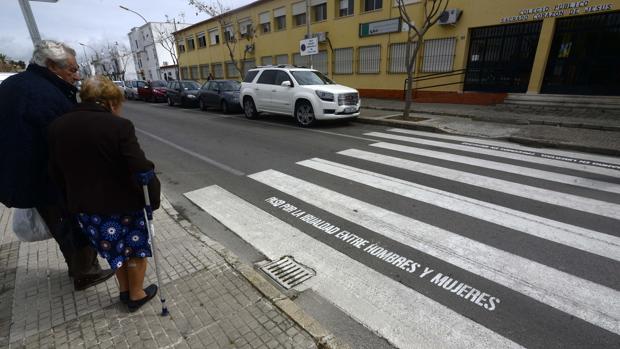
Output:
(130, 10)
(137, 52)
(96, 54)
(29, 17)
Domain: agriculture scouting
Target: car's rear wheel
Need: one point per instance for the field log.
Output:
(170, 102)
(202, 105)
(304, 114)
(249, 108)
(224, 107)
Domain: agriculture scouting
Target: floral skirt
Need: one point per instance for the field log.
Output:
(117, 237)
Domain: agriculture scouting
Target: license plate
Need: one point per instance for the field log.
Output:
(350, 109)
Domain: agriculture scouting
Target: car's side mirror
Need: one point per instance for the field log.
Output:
(286, 83)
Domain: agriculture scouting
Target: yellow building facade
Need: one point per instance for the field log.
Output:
(478, 52)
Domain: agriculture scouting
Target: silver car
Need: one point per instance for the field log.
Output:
(131, 88)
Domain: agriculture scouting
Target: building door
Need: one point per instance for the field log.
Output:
(585, 56)
(501, 57)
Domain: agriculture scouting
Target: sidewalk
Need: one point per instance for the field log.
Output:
(596, 131)
(214, 300)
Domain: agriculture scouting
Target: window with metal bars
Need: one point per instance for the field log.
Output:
(247, 65)
(194, 72)
(369, 59)
(184, 73)
(398, 57)
(218, 70)
(438, 55)
(266, 60)
(204, 71)
(343, 60)
(300, 61)
(281, 59)
(319, 62)
(231, 70)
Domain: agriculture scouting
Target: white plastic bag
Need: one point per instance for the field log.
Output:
(29, 226)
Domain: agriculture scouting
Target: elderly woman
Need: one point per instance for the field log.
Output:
(95, 157)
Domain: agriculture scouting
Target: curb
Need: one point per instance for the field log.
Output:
(519, 140)
(511, 121)
(321, 336)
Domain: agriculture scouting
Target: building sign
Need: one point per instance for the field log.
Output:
(559, 10)
(380, 27)
(309, 47)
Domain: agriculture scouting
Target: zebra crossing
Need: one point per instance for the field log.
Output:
(446, 241)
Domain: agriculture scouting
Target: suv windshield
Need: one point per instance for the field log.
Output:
(311, 77)
(191, 85)
(230, 85)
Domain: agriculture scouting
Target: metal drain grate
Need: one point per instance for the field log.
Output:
(287, 272)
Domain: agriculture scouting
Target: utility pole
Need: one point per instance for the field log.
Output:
(308, 33)
(29, 17)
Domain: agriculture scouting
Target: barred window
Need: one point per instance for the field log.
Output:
(184, 73)
(281, 59)
(438, 55)
(300, 61)
(194, 72)
(231, 70)
(343, 60)
(218, 70)
(369, 59)
(398, 57)
(247, 65)
(204, 71)
(267, 60)
(319, 62)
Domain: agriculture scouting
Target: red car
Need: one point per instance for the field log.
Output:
(153, 91)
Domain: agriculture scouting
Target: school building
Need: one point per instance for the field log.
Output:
(479, 51)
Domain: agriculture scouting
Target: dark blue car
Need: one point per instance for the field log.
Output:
(220, 94)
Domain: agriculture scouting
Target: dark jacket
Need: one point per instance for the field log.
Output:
(94, 158)
(29, 102)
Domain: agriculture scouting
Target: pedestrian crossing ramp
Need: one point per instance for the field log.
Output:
(454, 288)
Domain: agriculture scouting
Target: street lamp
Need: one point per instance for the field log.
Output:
(29, 17)
(96, 54)
(130, 10)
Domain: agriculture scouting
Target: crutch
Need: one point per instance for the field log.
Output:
(144, 179)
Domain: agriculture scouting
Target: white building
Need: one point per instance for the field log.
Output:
(151, 45)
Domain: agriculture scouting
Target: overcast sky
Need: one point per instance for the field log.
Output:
(92, 22)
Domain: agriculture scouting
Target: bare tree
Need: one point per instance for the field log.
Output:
(217, 10)
(165, 38)
(415, 38)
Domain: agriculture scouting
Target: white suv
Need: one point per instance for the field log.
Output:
(306, 94)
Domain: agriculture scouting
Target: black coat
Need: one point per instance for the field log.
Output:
(29, 102)
(94, 158)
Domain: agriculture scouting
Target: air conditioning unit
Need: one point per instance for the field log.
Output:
(450, 16)
(321, 36)
(249, 48)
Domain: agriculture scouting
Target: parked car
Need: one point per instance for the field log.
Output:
(120, 84)
(153, 91)
(183, 92)
(222, 94)
(131, 88)
(306, 94)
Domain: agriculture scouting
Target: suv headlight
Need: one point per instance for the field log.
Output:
(326, 96)
(191, 95)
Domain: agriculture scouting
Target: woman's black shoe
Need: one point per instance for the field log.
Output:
(150, 291)
(124, 297)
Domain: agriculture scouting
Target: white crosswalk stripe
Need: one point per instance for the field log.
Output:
(499, 166)
(544, 195)
(582, 298)
(469, 140)
(401, 315)
(577, 237)
(412, 319)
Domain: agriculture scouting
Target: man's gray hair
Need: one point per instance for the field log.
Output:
(54, 51)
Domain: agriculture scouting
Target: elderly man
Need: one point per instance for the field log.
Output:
(29, 102)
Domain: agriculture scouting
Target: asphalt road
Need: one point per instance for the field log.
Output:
(426, 240)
